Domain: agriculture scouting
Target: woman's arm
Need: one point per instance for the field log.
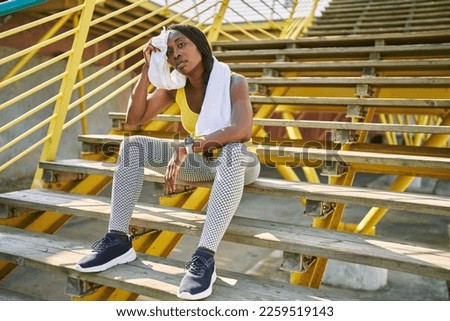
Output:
(239, 131)
(143, 106)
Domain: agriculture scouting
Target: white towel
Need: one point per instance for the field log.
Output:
(216, 108)
(159, 72)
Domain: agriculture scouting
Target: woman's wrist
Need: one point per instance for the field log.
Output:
(181, 155)
(144, 72)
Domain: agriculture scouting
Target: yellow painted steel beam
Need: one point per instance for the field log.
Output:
(81, 91)
(39, 22)
(300, 27)
(107, 294)
(289, 20)
(351, 227)
(216, 26)
(152, 6)
(401, 170)
(400, 149)
(400, 184)
(289, 174)
(56, 127)
(294, 133)
(313, 276)
(379, 110)
(249, 29)
(363, 134)
(266, 111)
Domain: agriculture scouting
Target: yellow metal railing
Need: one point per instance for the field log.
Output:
(47, 84)
(79, 32)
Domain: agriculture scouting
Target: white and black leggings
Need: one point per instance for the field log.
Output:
(231, 170)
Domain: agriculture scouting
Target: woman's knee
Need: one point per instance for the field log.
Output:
(233, 150)
(237, 154)
(252, 172)
(132, 149)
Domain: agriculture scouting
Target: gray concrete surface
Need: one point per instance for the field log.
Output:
(264, 262)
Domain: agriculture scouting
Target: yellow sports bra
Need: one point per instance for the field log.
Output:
(189, 118)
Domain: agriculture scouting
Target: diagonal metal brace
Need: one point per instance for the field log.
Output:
(344, 136)
(334, 168)
(319, 209)
(296, 262)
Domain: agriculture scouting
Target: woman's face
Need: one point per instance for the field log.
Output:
(182, 53)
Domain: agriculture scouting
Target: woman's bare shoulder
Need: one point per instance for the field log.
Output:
(238, 80)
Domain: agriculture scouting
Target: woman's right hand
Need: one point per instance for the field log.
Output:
(173, 168)
(148, 48)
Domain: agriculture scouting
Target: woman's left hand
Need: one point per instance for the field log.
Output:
(173, 168)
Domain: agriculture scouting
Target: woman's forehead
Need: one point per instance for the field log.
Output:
(175, 34)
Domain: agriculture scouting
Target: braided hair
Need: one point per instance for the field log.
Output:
(199, 39)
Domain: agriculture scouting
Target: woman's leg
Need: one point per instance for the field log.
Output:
(235, 167)
(136, 153)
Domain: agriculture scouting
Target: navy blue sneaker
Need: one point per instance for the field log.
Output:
(113, 249)
(199, 278)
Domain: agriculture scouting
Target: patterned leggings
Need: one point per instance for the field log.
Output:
(234, 168)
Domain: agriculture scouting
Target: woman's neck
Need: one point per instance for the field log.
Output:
(196, 84)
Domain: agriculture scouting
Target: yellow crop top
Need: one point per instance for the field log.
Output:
(189, 118)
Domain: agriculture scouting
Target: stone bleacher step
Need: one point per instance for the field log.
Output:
(392, 16)
(358, 65)
(387, 19)
(387, 22)
(418, 28)
(414, 202)
(316, 157)
(385, 51)
(119, 117)
(150, 276)
(336, 42)
(384, 5)
(343, 246)
(399, 16)
(11, 295)
(434, 82)
(427, 103)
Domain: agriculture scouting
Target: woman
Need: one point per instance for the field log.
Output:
(216, 111)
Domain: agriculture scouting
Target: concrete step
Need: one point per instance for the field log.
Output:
(150, 276)
(305, 242)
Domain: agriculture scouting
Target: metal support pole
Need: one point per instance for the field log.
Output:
(61, 108)
(400, 184)
(214, 31)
